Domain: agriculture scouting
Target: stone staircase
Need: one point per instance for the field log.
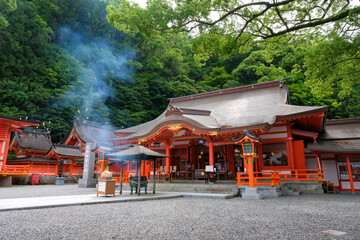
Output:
(288, 188)
(260, 192)
(289, 191)
(194, 187)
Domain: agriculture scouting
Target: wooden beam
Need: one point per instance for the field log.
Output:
(139, 175)
(154, 174)
(121, 176)
(350, 174)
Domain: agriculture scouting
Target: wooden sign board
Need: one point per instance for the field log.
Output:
(209, 168)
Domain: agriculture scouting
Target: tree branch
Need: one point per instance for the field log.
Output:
(311, 24)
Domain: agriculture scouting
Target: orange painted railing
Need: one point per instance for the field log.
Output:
(304, 175)
(14, 170)
(273, 178)
(125, 178)
(269, 178)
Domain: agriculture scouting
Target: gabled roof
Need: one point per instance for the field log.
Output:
(64, 150)
(252, 106)
(89, 131)
(340, 136)
(32, 139)
(336, 146)
(342, 129)
(17, 123)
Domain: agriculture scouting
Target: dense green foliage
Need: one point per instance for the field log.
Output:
(61, 58)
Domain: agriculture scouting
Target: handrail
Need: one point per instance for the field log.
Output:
(14, 170)
(304, 175)
(273, 178)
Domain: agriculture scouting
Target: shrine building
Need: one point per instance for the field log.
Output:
(7, 126)
(203, 129)
(250, 136)
(35, 151)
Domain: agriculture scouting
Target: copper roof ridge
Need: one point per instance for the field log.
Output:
(34, 130)
(55, 145)
(86, 122)
(245, 88)
(315, 110)
(165, 123)
(18, 120)
(341, 121)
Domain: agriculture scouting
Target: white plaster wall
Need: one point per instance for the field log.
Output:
(331, 171)
(311, 164)
(328, 155)
(275, 135)
(346, 185)
(278, 129)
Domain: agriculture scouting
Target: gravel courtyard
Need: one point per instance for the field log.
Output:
(289, 217)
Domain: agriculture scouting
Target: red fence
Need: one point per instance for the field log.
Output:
(273, 178)
(9, 170)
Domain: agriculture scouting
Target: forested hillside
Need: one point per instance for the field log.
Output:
(62, 58)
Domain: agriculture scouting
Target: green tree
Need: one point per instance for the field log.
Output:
(218, 77)
(6, 6)
(225, 26)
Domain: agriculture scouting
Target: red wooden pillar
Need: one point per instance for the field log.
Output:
(193, 153)
(167, 160)
(5, 134)
(317, 161)
(251, 172)
(350, 173)
(231, 158)
(211, 153)
(142, 168)
(290, 147)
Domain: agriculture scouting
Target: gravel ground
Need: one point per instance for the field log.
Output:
(24, 191)
(289, 217)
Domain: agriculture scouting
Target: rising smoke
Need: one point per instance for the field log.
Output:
(99, 67)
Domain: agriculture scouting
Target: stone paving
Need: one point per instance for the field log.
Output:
(288, 217)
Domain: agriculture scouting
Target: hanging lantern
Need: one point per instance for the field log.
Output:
(248, 148)
(248, 143)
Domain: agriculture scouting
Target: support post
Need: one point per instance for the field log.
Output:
(154, 175)
(231, 158)
(251, 172)
(167, 160)
(142, 164)
(121, 175)
(139, 175)
(4, 147)
(211, 154)
(350, 174)
(318, 164)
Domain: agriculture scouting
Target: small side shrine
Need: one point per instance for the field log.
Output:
(68, 158)
(8, 125)
(31, 145)
(85, 132)
(338, 151)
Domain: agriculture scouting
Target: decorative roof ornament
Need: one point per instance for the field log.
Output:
(247, 136)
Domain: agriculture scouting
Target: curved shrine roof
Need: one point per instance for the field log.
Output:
(33, 139)
(341, 136)
(89, 131)
(247, 106)
(65, 150)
